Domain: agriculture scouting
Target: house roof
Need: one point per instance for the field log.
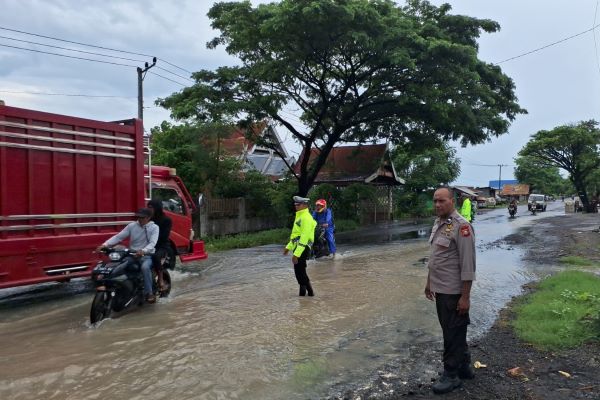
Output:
(465, 190)
(352, 164)
(519, 189)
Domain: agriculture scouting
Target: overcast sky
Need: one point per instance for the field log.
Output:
(557, 85)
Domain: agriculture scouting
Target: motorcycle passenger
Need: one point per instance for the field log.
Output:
(164, 224)
(324, 218)
(142, 236)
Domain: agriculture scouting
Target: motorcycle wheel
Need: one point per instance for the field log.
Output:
(101, 307)
(167, 282)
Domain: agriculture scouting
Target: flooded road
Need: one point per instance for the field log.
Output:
(234, 326)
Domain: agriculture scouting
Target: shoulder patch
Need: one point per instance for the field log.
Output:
(465, 231)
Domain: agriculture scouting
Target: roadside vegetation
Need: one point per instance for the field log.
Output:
(271, 236)
(577, 261)
(562, 313)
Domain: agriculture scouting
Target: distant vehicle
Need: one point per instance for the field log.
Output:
(490, 202)
(539, 200)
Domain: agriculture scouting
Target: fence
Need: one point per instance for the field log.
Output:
(230, 216)
(379, 209)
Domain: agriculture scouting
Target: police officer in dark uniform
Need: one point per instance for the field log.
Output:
(451, 273)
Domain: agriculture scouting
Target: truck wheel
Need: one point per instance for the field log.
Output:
(101, 307)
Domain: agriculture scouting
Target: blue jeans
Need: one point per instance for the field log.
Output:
(146, 262)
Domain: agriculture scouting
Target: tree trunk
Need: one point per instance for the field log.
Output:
(581, 192)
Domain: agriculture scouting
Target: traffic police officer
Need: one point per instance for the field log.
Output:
(301, 240)
(451, 273)
(466, 209)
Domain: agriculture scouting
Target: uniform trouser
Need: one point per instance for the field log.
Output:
(330, 240)
(454, 328)
(301, 276)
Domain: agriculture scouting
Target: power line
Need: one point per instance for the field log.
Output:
(595, 42)
(92, 53)
(171, 72)
(67, 94)
(549, 45)
(164, 77)
(68, 49)
(91, 45)
(64, 55)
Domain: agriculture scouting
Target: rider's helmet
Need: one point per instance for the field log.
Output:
(321, 204)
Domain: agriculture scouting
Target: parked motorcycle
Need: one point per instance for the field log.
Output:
(119, 282)
(512, 210)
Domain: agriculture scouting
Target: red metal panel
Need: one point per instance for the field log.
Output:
(53, 171)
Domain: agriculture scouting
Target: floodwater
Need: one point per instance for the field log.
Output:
(234, 327)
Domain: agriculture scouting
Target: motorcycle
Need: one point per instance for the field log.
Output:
(320, 247)
(119, 282)
(533, 208)
(512, 210)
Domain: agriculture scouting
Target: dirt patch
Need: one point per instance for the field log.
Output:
(539, 375)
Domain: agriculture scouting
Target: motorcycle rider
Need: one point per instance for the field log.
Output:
(513, 205)
(162, 245)
(324, 218)
(142, 236)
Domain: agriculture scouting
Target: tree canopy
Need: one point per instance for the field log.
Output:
(573, 148)
(352, 71)
(428, 168)
(541, 177)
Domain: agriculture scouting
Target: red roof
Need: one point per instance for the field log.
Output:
(237, 143)
(352, 164)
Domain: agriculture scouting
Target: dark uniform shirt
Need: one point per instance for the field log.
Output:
(452, 258)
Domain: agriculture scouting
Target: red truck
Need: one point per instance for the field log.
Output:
(67, 184)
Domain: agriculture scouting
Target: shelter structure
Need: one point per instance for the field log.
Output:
(366, 164)
(519, 191)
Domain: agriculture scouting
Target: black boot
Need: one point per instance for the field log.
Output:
(310, 290)
(302, 291)
(464, 370)
(446, 384)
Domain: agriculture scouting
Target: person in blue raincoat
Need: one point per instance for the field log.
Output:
(324, 218)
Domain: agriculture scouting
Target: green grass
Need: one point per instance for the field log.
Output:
(576, 261)
(563, 313)
(245, 240)
(271, 236)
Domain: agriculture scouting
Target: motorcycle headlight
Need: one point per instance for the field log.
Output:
(114, 256)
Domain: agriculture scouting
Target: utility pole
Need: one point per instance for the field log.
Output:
(141, 73)
(500, 176)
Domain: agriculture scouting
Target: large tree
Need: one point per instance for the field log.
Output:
(573, 148)
(427, 168)
(541, 177)
(352, 71)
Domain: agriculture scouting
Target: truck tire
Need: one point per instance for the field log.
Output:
(101, 307)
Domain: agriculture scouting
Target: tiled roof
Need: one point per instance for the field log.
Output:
(346, 164)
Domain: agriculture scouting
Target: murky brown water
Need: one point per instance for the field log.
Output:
(234, 326)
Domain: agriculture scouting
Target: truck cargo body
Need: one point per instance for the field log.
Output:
(66, 185)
